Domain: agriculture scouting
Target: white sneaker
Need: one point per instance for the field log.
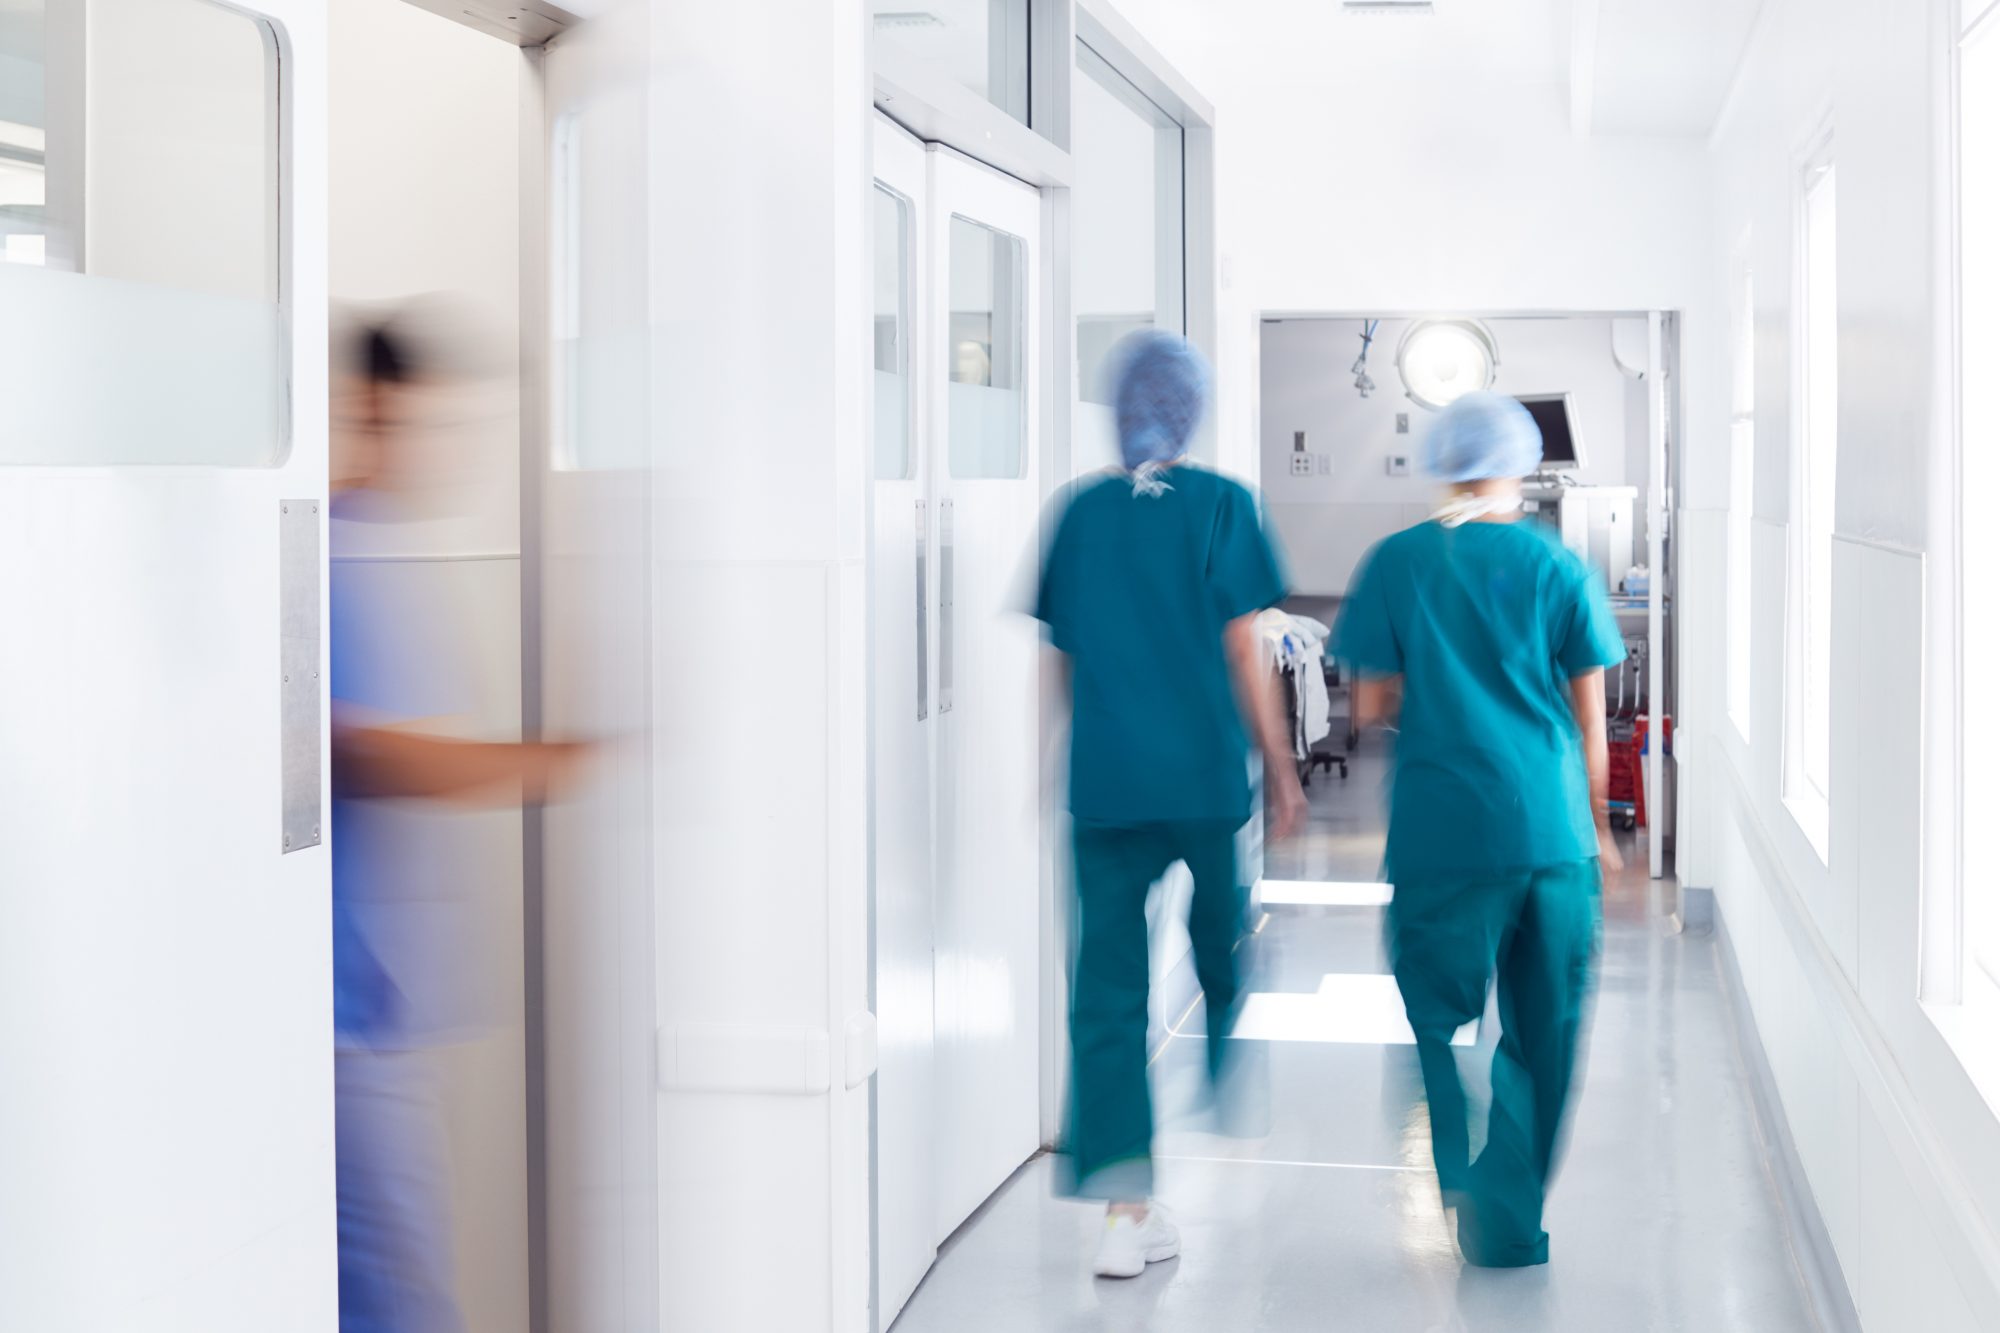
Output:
(1128, 1245)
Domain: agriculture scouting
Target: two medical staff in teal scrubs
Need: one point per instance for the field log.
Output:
(1488, 642)
(1149, 589)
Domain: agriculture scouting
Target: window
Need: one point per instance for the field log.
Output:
(1979, 458)
(139, 242)
(982, 44)
(988, 346)
(1815, 451)
(600, 379)
(892, 341)
(1742, 488)
(1127, 224)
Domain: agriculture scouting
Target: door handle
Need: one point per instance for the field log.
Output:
(923, 615)
(947, 563)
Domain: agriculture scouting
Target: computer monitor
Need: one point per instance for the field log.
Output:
(1562, 450)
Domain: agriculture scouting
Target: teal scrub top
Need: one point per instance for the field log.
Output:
(1136, 589)
(1486, 623)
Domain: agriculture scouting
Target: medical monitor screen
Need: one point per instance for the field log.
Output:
(1552, 413)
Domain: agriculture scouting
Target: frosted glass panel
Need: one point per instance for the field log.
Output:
(103, 371)
(987, 349)
(603, 378)
(985, 432)
(892, 426)
(1094, 438)
(892, 339)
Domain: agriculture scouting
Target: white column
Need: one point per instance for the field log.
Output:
(760, 314)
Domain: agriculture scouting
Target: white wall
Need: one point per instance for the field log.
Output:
(1902, 1153)
(1328, 522)
(425, 198)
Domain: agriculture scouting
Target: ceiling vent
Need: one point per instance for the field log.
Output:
(908, 18)
(1388, 6)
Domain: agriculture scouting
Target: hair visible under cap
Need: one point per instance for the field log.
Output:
(382, 355)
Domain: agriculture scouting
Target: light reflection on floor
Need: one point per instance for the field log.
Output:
(1322, 893)
(1349, 1008)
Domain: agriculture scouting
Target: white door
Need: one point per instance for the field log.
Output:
(984, 435)
(956, 802)
(903, 584)
(591, 594)
(166, 1133)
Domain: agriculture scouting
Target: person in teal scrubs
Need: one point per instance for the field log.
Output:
(1491, 639)
(1148, 590)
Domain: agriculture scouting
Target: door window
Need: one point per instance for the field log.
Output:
(986, 352)
(892, 340)
(140, 264)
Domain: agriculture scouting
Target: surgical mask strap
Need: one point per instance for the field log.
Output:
(1462, 509)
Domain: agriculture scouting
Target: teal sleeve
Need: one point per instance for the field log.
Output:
(1364, 636)
(1244, 576)
(1052, 600)
(1588, 636)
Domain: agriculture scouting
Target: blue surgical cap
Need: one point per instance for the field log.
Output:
(1482, 436)
(1162, 392)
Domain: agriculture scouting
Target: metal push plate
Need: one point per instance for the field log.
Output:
(300, 818)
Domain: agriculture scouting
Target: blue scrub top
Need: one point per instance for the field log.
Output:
(1486, 623)
(1136, 589)
(402, 928)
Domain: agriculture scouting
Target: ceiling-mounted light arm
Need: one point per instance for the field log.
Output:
(1443, 359)
(1362, 379)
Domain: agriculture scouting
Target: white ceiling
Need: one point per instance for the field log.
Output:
(1620, 67)
(1658, 67)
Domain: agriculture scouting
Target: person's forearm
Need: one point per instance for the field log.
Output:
(392, 762)
(1587, 702)
(1375, 699)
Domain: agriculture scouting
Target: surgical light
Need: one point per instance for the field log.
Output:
(1441, 360)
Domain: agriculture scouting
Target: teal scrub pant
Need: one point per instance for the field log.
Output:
(1111, 1108)
(1537, 932)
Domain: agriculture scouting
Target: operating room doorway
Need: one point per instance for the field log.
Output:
(480, 158)
(1343, 405)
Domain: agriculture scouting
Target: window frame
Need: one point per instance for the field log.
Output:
(1739, 664)
(1807, 793)
(1973, 971)
(69, 77)
(906, 255)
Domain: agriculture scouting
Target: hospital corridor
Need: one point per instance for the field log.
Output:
(998, 666)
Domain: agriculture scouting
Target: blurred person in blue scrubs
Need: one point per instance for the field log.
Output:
(405, 939)
(1149, 589)
(1487, 641)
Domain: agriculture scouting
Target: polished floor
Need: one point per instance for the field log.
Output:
(1317, 1210)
